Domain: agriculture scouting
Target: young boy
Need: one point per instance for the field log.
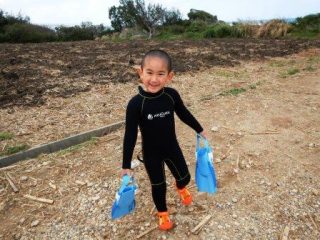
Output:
(152, 110)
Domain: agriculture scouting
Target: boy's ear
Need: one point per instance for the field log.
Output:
(138, 69)
(170, 76)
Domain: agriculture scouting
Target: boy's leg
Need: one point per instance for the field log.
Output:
(179, 169)
(155, 170)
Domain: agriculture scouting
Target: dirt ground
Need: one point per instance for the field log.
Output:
(257, 99)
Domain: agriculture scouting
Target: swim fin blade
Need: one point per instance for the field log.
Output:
(205, 174)
(125, 198)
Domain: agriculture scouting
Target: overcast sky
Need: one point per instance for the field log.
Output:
(73, 12)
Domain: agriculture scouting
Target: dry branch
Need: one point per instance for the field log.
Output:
(147, 231)
(43, 200)
(200, 225)
(15, 189)
(7, 168)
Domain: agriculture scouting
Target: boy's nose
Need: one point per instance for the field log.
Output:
(153, 78)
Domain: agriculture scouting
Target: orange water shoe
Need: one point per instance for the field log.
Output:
(185, 196)
(164, 221)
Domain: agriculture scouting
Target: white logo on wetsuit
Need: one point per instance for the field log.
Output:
(156, 115)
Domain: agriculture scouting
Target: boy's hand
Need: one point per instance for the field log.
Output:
(126, 172)
(204, 134)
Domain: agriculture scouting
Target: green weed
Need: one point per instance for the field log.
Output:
(233, 92)
(310, 68)
(78, 147)
(6, 136)
(15, 149)
(292, 71)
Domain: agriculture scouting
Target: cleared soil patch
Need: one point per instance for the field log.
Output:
(266, 139)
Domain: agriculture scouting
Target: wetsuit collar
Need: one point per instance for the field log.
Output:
(148, 94)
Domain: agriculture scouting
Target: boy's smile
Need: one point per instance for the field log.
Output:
(154, 74)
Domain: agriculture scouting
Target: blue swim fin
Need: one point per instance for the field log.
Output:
(125, 200)
(205, 174)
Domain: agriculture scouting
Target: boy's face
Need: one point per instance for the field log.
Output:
(155, 74)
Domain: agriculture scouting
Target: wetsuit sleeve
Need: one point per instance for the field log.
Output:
(131, 132)
(184, 114)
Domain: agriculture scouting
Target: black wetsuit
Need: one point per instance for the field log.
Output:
(154, 114)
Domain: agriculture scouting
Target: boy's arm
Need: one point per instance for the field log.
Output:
(184, 114)
(131, 132)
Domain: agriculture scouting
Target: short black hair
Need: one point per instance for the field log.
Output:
(160, 54)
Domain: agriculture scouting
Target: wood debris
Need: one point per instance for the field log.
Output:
(197, 228)
(43, 200)
(146, 232)
(13, 186)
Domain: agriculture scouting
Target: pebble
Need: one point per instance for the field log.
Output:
(312, 145)
(234, 216)
(215, 129)
(23, 178)
(218, 160)
(315, 192)
(89, 184)
(35, 223)
(220, 226)
(234, 200)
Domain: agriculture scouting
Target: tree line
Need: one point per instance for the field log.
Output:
(154, 21)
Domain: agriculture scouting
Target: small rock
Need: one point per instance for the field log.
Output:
(220, 226)
(242, 164)
(35, 223)
(315, 192)
(22, 220)
(23, 178)
(135, 163)
(236, 170)
(234, 216)
(90, 184)
(215, 129)
(218, 160)
(312, 145)
(147, 224)
(234, 200)
(191, 209)
(95, 198)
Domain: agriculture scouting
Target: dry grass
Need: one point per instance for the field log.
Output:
(273, 29)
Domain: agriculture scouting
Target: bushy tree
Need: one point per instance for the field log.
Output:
(135, 13)
(308, 23)
(199, 15)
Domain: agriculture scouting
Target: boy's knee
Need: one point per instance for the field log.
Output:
(183, 182)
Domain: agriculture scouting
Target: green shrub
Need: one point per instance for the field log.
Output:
(196, 15)
(222, 30)
(176, 29)
(193, 35)
(197, 26)
(309, 23)
(24, 32)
